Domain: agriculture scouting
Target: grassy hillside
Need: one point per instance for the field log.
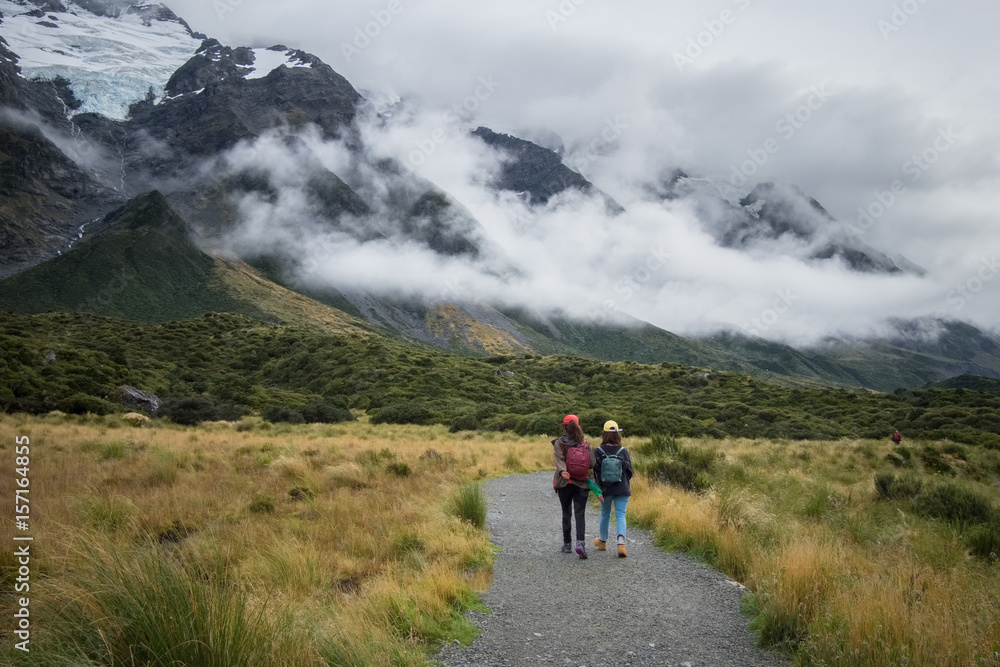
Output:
(972, 382)
(144, 265)
(231, 365)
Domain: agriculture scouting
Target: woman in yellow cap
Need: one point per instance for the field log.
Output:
(613, 470)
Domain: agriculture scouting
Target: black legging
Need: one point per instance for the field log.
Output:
(573, 496)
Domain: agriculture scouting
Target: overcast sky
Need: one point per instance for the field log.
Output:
(706, 87)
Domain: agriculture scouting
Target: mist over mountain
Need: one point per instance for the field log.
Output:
(427, 222)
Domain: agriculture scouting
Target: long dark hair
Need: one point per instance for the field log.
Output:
(611, 438)
(574, 432)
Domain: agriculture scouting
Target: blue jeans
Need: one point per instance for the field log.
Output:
(620, 503)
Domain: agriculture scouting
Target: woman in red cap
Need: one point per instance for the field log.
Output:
(574, 460)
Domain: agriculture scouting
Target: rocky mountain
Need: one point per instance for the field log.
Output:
(152, 173)
(776, 212)
(535, 172)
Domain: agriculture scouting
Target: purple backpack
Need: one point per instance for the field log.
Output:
(578, 461)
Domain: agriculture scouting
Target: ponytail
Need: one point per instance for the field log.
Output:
(574, 432)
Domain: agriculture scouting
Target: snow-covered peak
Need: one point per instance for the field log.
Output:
(266, 61)
(111, 60)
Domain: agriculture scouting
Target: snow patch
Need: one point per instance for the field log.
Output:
(266, 61)
(110, 62)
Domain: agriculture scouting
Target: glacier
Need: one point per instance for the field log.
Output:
(111, 62)
(266, 61)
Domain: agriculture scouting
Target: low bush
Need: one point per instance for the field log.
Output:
(890, 487)
(409, 412)
(659, 444)
(984, 542)
(678, 473)
(466, 422)
(80, 404)
(952, 502)
(262, 503)
(192, 410)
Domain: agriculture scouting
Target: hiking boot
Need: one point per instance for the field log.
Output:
(601, 545)
(567, 549)
(621, 546)
(581, 550)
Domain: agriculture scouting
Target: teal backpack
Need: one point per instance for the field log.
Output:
(611, 467)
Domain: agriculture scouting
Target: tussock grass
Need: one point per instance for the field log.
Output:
(309, 546)
(848, 562)
(470, 504)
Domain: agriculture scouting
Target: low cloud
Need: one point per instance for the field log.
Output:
(889, 100)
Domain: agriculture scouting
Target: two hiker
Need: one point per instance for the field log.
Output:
(612, 466)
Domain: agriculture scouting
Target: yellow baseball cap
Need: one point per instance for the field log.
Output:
(611, 427)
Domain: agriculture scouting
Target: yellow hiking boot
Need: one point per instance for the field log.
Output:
(621, 546)
(600, 544)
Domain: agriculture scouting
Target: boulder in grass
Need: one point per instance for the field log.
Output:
(138, 400)
(135, 419)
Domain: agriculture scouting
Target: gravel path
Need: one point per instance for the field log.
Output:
(652, 608)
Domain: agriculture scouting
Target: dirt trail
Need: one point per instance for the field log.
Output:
(652, 608)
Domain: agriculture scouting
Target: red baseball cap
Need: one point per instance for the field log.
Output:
(571, 418)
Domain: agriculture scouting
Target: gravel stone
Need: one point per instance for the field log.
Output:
(651, 608)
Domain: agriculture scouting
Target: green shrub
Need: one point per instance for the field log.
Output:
(277, 414)
(262, 503)
(79, 404)
(399, 469)
(192, 410)
(322, 411)
(890, 487)
(466, 422)
(469, 504)
(409, 412)
(659, 444)
(537, 424)
(699, 458)
(954, 503)
(677, 473)
(984, 542)
(934, 461)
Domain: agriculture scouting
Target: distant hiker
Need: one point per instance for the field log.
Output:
(574, 461)
(613, 470)
(896, 437)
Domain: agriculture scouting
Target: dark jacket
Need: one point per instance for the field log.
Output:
(622, 488)
(559, 447)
